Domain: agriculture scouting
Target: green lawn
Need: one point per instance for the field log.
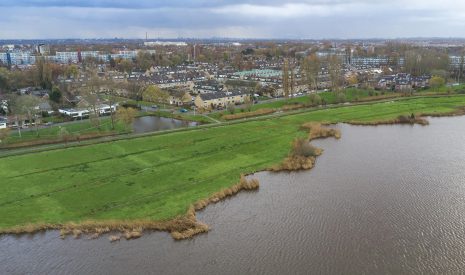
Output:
(158, 177)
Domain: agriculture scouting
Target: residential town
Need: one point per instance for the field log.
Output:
(210, 76)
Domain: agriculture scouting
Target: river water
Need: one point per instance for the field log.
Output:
(147, 124)
(381, 200)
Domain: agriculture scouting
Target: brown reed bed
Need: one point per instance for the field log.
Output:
(114, 238)
(402, 119)
(303, 154)
(318, 130)
(291, 107)
(259, 112)
(244, 184)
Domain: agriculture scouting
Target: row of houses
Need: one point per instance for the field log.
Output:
(208, 87)
(403, 82)
(220, 99)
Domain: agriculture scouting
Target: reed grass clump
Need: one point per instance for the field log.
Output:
(244, 184)
(114, 238)
(401, 119)
(317, 130)
(292, 107)
(133, 234)
(301, 157)
(303, 154)
(190, 232)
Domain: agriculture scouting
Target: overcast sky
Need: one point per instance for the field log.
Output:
(231, 18)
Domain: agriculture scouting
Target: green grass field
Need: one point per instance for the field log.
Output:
(158, 177)
(351, 94)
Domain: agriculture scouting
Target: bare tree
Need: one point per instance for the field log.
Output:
(334, 68)
(111, 95)
(27, 107)
(311, 67)
(285, 78)
(91, 95)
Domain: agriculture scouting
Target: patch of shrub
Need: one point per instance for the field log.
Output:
(302, 147)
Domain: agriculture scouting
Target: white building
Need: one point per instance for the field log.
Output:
(4, 58)
(67, 57)
(106, 109)
(164, 43)
(75, 113)
(17, 58)
(3, 122)
(92, 54)
(103, 109)
(125, 55)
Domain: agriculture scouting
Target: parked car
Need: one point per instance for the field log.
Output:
(183, 111)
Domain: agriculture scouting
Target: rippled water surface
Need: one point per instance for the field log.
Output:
(147, 124)
(387, 199)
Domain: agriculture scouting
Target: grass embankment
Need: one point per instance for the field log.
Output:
(84, 130)
(131, 184)
(352, 95)
(78, 130)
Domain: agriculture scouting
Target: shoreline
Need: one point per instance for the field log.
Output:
(182, 227)
(186, 226)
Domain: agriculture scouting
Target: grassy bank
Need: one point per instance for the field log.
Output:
(77, 130)
(353, 95)
(158, 178)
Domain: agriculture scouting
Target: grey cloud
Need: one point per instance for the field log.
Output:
(241, 18)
